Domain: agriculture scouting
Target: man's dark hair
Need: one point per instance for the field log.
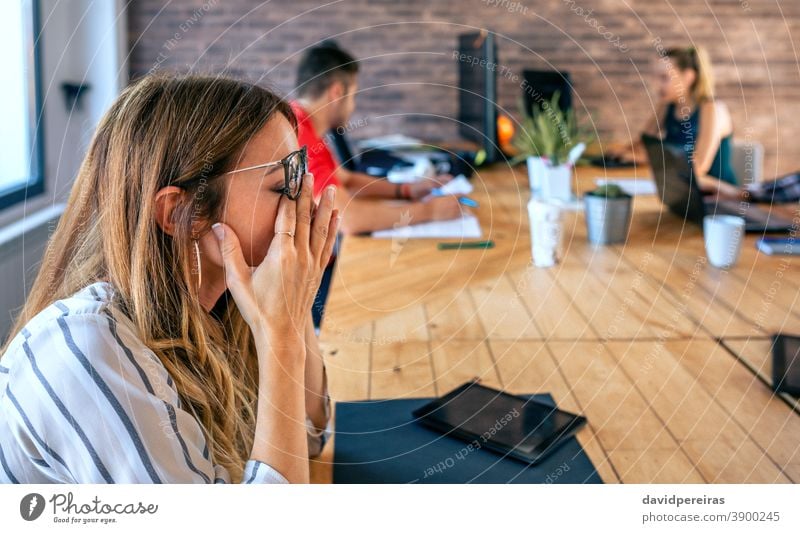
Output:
(322, 66)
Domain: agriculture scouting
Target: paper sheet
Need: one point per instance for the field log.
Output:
(466, 227)
(458, 185)
(632, 186)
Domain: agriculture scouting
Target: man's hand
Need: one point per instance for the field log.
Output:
(423, 188)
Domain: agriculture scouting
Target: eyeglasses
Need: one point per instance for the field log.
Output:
(295, 165)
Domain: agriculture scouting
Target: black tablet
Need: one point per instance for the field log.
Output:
(786, 364)
(525, 429)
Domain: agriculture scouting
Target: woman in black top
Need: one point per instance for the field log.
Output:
(689, 115)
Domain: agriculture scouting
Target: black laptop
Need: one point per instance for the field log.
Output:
(681, 194)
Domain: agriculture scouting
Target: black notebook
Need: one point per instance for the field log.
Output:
(521, 428)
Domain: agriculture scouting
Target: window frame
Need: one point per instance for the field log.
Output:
(36, 180)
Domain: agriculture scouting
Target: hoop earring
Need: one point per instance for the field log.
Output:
(199, 267)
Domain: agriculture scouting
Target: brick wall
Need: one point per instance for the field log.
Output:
(408, 71)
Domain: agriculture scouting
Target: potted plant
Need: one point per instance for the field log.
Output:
(551, 140)
(608, 214)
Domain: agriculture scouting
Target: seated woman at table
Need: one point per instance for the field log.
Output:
(689, 115)
(124, 366)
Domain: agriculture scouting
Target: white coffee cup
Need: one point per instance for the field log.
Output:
(723, 238)
(546, 232)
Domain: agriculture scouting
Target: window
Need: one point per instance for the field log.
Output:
(20, 107)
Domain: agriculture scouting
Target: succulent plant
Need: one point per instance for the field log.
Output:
(609, 190)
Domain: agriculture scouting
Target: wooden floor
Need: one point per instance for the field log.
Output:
(666, 356)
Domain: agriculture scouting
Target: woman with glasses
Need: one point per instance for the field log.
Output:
(128, 362)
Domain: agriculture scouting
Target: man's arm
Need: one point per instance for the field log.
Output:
(361, 215)
(361, 185)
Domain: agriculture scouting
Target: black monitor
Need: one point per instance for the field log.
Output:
(539, 86)
(477, 90)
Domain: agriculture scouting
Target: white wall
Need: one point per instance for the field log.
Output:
(81, 41)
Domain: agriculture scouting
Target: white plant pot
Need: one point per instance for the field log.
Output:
(556, 183)
(537, 168)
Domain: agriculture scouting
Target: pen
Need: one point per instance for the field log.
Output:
(466, 245)
(469, 202)
(463, 200)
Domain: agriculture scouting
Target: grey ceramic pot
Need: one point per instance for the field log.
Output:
(607, 219)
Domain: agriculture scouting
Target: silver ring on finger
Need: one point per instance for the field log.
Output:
(289, 233)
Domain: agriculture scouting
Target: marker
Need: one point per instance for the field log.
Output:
(469, 202)
(465, 245)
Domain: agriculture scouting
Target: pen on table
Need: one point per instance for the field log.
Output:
(469, 202)
(463, 200)
(465, 245)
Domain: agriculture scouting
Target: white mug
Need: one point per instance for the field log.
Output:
(723, 238)
(545, 226)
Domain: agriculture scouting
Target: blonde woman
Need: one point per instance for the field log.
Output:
(689, 115)
(125, 364)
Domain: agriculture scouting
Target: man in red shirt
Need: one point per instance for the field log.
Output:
(326, 88)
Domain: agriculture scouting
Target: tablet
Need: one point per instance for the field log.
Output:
(786, 364)
(488, 418)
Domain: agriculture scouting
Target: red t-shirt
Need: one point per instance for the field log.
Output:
(320, 160)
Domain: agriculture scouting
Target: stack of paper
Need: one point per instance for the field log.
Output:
(466, 227)
(458, 185)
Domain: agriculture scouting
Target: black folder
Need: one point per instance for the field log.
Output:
(381, 442)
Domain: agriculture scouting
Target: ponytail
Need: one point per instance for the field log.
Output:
(695, 58)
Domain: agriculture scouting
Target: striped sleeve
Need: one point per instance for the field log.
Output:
(96, 405)
(258, 472)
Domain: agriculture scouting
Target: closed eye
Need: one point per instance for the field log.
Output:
(277, 186)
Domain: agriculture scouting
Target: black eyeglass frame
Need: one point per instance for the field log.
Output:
(285, 162)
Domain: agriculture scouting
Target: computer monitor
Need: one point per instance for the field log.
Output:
(539, 86)
(477, 90)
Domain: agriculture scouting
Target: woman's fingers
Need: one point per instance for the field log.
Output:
(333, 229)
(237, 272)
(322, 219)
(304, 210)
(286, 221)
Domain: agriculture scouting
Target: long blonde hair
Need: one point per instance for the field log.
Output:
(697, 59)
(165, 130)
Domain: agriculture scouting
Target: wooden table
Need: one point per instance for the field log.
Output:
(667, 356)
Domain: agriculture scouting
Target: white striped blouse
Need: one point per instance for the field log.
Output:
(83, 400)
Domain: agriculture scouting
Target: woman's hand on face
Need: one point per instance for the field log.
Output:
(277, 295)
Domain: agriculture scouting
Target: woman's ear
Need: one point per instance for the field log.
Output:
(166, 200)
